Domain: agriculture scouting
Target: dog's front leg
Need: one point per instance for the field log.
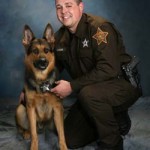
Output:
(32, 123)
(59, 123)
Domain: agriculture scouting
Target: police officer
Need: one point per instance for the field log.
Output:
(92, 51)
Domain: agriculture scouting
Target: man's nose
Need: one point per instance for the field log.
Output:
(64, 9)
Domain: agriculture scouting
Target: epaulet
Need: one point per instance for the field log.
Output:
(96, 20)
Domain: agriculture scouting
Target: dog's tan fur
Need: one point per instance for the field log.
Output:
(40, 107)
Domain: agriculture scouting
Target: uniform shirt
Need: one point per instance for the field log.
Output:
(94, 53)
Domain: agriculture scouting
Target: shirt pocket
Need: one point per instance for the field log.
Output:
(86, 53)
(86, 58)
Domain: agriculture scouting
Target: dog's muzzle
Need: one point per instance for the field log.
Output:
(41, 63)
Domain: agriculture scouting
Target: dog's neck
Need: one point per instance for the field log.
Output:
(44, 85)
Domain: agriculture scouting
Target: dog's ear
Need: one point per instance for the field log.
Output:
(28, 36)
(49, 34)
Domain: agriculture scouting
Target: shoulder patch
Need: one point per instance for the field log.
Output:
(100, 36)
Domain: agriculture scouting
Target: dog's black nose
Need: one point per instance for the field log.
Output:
(41, 63)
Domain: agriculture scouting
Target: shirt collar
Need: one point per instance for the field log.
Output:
(81, 28)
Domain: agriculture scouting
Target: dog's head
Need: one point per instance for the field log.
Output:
(39, 58)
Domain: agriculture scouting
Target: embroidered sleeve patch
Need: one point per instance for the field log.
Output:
(100, 36)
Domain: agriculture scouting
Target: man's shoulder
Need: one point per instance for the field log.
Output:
(59, 31)
(96, 21)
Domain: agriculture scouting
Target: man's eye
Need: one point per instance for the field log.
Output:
(68, 6)
(58, 7)
(35, 51)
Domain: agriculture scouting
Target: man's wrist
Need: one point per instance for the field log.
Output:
(74, 86)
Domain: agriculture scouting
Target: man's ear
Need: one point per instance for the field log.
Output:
(28, 36)
(81, 5)
(49, 34)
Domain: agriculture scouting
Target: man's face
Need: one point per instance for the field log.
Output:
(69, 13)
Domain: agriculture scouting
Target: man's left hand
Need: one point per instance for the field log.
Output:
(62, 88)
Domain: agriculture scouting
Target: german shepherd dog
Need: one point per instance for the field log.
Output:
(41, 105)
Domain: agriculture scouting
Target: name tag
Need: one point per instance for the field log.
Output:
(59, 49)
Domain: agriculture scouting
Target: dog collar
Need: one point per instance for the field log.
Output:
(44, 86)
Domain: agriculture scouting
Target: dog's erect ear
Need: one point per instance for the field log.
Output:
(28, 36)
(49, 34)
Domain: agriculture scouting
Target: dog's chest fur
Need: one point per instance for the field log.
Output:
(44, 104)
(44, 111)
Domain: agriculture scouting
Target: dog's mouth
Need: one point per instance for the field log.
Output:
(41, 64)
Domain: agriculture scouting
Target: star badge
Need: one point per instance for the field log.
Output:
(100, 36)
(85, 43)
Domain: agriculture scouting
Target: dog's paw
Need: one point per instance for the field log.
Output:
(63, 147)
(26, 135)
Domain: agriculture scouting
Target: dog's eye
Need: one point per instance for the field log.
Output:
(35, 51)
(46, 50)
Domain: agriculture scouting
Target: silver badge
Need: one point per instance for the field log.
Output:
(85, 43)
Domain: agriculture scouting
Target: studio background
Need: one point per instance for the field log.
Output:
(131, 17)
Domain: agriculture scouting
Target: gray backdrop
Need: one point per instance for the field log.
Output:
(132, 18)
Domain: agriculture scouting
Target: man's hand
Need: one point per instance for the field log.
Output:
(62, 89)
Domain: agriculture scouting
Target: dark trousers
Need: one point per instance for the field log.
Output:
(92, 117)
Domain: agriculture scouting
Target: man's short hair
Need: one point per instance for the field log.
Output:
(78, 1)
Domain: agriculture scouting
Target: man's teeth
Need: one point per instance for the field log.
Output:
(66, 17)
